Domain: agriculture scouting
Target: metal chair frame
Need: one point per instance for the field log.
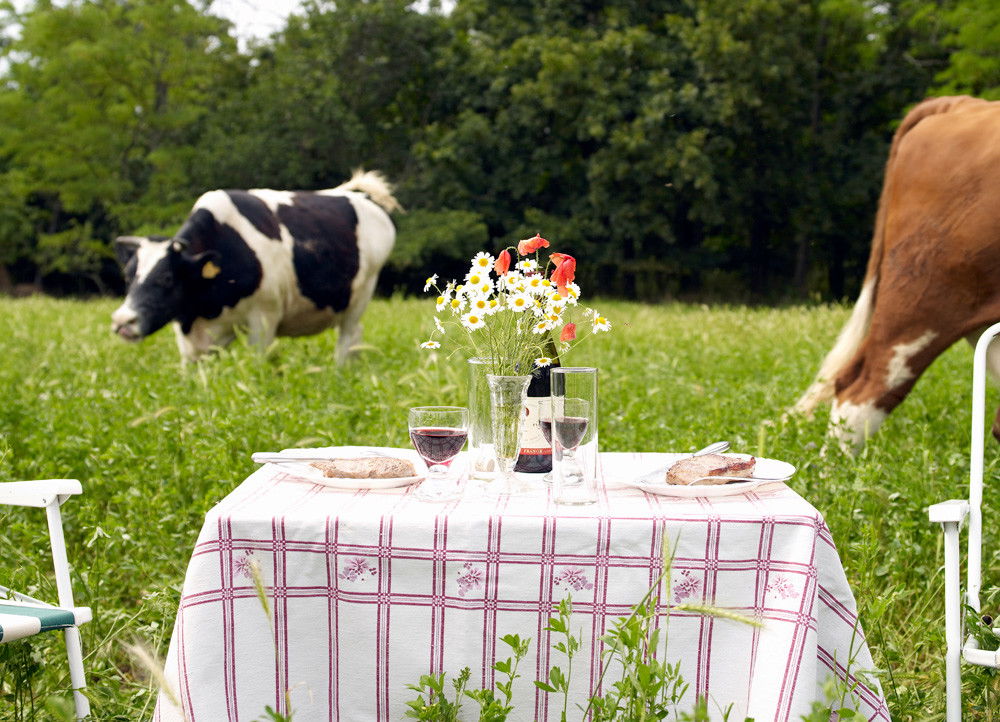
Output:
(951, 515)
(50, 494)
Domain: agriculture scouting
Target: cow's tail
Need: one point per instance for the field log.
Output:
(375, 186)
(856, 328)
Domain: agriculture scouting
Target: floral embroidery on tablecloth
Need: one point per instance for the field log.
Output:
(356, 568)
(687, 586)
(245, 565)
(469, 578)
(573, 577)
(781, 586)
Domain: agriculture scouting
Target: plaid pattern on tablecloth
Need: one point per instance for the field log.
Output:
(371, 589)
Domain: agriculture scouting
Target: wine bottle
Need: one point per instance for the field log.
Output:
(536, 451)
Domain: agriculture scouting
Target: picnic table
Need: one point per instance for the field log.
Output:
(368, 590)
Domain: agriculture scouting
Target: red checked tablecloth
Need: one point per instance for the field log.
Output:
(371, 589)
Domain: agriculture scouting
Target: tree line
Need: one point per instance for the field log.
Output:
(678, 148)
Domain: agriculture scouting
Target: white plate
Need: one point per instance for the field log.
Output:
(765, 471)
(303, 469)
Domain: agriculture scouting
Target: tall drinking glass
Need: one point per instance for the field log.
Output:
(482, 463)
(438, 433)
(574, 434)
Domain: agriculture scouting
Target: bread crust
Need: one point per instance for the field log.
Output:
(375, 467)
(690, 469)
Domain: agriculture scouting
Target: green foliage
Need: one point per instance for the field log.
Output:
(682, 146)
(973, 65)
(433, 242)
(436, 706)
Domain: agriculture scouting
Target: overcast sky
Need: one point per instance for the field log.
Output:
(255, 18)
(252, 18)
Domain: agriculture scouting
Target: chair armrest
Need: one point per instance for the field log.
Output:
(39, 493)
(953, 510)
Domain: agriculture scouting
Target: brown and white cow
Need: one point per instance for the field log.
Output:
(933, 276)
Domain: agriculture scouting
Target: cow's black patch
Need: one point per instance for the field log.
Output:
(256, 211)
(239, 271)
(325, 250)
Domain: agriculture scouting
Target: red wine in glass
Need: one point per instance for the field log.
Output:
(570, 431)
(437, 445)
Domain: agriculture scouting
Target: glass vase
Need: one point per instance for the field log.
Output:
(507, 407)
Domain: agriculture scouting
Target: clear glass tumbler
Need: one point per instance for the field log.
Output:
(574, 434)
(482, 461)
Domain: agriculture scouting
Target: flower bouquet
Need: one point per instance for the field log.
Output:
(518, 316)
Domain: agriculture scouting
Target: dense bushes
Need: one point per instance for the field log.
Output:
(683, 147)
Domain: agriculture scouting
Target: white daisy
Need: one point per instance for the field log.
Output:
(482, 260)
(527, 265)
(472, 321)
(494, 306)
(519, 302)
(430, 282)
(476, 277)
(573, 291)
(456, 304)
(441, 302)
(542, 327)
(556, 307)
(430, 344)
(479, 305)
(512, 280)
(535, 285)
(601, 323)
(543, 361)
(439, 325)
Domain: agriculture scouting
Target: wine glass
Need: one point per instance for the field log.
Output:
(545, 424)
(438, 433)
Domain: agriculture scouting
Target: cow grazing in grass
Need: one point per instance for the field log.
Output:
(274, 263)
(934, 272)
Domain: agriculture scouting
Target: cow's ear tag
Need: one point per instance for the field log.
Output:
(210, 270)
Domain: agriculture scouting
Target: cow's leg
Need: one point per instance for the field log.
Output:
(202, 338)
(351, 331)
(882, 373)
(261, 329)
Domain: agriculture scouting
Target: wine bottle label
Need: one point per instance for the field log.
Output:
(532, 439)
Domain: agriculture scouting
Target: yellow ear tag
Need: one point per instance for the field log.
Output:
(210, 270)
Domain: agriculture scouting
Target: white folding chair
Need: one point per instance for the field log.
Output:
(22, 616)
(951, 514)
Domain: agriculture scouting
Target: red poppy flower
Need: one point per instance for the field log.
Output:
(565, 271)
(502, 264)
(568, 332)
(530, 245)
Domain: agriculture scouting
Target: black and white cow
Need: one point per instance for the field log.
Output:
(275, 263)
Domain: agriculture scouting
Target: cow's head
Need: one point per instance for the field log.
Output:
(161, 273)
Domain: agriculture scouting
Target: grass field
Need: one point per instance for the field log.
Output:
(156, 445)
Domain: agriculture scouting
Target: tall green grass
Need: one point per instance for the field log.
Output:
(156, 445)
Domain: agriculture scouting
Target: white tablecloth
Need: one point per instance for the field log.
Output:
(371, 589)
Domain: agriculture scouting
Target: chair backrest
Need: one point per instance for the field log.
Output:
(50, 495)
(976, 465)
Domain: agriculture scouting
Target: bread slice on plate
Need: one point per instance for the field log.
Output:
(689, 470)
(375, 467)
